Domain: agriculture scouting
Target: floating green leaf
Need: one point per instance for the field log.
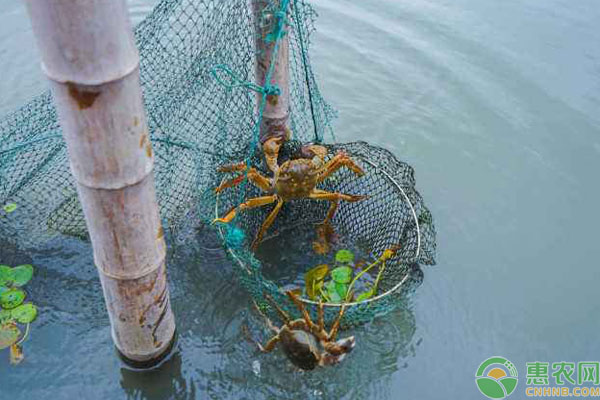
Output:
(25, 313)
(332, 293)
(341, 289)
(5, 315)
(5, 275)
(10, 207)
(12, 298)
(344, 256)
(21, 274)
(342, 274)
(313, 279)
(9, 334)
(366, 295)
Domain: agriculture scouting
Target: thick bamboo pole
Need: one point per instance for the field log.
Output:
(275, 122)
(89, 55)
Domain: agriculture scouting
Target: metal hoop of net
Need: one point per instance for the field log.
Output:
(393, 214)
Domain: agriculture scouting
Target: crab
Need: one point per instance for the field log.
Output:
(306, 344)
(294, 179)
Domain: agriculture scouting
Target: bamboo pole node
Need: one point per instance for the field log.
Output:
(139, 274)
(96, 82)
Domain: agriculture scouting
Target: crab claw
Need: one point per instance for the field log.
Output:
(347, 344)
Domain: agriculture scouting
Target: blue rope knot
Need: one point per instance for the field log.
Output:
(233, 81)
(234, 236)
(271, 90)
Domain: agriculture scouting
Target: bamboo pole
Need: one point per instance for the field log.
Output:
(89, 55)
(275, 121)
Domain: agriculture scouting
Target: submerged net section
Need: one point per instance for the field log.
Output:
(197, 124)
(394, 214)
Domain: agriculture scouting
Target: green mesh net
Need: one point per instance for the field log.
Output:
(197, 123)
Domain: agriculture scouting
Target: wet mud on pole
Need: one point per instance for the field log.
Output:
(275, 121)
(89, 55)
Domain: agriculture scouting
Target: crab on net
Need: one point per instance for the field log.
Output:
(373, 208)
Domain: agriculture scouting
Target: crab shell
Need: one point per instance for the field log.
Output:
(296, 179)
(302, 349)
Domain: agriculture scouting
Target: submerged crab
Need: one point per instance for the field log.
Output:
(294, 179)
(306, 344)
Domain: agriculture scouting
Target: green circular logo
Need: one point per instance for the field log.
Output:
(496, 378)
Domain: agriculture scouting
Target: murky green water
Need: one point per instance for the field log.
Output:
(495, 104)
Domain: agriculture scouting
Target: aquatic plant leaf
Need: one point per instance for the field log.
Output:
(9, 334)
(10, 207)
(342, 274)
(366, 295)
(11, 298)
(344, 256)
(313, 280)
(5, 316)
(341, 289)
(22, 274)
(332, 293)
(25, 313)
(5, 275)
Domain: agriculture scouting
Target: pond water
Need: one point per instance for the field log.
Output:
(495, 104)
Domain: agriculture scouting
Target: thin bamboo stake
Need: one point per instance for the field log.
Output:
(89, 55)
(275, 121)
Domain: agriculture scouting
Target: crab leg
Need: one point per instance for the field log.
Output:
(254, 176)
(331, 212)
(302, 309)
(251, 203)
(319, 194)
(320, 333)
(268, 221)
(336, 323)
(270, 344)
(268, 321)
(321, 316)
(284, 316)
(335, 198)
(338, 161)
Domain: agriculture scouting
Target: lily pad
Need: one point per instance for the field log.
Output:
(341, 289)
(5, 275)
(366, 295)
(342, 274)
(10, 207)
(25, 313)
(332, 293)
(12, 298)
(5, 315)
(9, 334)
(21, 274)
(313, 279)
(344, 256)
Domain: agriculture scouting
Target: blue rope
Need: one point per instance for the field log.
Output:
(268, 89)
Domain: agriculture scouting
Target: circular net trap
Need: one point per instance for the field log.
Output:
(197, 123)
(393, 216)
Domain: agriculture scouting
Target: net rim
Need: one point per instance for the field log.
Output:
(354, 303)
